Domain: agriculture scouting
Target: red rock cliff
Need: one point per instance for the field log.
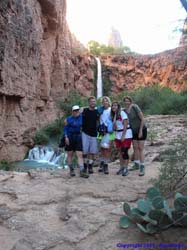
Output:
(37, 66)
(127, 72)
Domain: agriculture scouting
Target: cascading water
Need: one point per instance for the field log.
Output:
(45, 154)
(44, 157)
(99, 79)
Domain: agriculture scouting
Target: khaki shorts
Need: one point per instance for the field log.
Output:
(89, 144)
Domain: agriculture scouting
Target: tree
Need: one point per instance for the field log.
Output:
(94, 47)
(101, 49)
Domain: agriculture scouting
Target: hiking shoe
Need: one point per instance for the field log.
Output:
(142, 170)
(125, 172)
(90, 169)
(120, 171)
(72, 172)
(101, 167)
(136, 166)
(105, 169)
(83, 174)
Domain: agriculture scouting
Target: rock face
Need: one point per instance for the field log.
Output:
(114, 39)
(37, 66)
(128, 72)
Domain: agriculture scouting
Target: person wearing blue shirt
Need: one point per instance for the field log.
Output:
(73, 140)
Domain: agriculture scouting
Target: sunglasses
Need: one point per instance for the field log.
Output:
(76, 110)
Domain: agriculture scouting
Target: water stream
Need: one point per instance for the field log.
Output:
(99, 79)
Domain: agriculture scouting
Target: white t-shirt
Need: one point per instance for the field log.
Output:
(105, 116)
(120, 126)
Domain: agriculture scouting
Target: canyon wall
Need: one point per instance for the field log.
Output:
(38, 65)
(128, 72)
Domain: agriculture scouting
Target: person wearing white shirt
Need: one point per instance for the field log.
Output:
(105, 125)
(123, 136)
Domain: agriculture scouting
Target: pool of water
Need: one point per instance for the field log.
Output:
(38, 165)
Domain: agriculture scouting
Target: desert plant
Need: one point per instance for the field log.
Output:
(5, 165)
(153, 214)
(173, 171)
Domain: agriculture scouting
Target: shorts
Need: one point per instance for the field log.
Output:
(126, 143)
(75, 143)
(89, 144)
(144, 135)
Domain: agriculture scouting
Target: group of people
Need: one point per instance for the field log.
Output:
(92, 130)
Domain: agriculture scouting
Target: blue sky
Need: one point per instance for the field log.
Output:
(146, 26)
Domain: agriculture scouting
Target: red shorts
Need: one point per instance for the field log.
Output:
(126, 143)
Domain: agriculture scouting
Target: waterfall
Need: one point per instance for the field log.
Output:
(45, 154)
(99, 79)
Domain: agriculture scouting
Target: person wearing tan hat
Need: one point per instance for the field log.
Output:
(73, 140)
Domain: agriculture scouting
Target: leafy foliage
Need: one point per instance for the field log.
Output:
(153, 214)
(73, 98)
(173, 171)
(97, 49)
(50, 133)
(5, 165)
(157, 100)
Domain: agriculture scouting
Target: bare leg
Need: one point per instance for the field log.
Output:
(141, 151)
(79, 158)
(136, 150)
(70, 157)
(69, 161)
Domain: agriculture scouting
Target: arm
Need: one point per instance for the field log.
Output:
(142, 122)
(125, 124)
(66, 132)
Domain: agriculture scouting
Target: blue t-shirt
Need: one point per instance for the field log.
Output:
(74, 125)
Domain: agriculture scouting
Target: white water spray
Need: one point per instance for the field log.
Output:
(47, 155)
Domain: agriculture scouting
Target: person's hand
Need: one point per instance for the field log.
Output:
(122, 138)
(67, 141)
(140, 134)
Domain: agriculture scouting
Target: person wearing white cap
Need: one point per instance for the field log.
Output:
(73, 139)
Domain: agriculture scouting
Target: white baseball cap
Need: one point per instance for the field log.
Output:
(75, 107)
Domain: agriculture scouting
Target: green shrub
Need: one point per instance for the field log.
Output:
(50, 133)
(41, 138)
(96, 48)
(5, 165)
(73, 98)
(157, 100)
(173, 171)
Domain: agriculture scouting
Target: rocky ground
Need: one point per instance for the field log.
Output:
(50, 211)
